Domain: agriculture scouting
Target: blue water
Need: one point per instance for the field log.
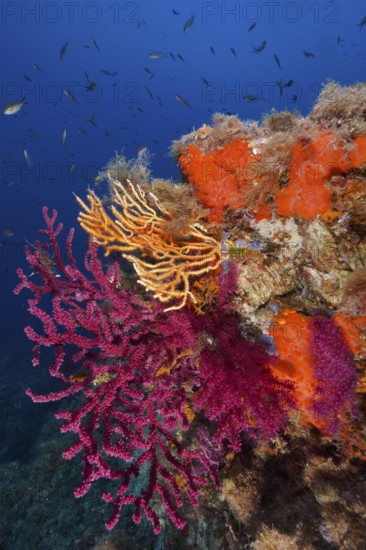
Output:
(126, 108)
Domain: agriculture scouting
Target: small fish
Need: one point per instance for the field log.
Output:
(91, 86)
(183, 101)
(8, 232)
(175, 12)
(147, 70)
(81, 131)
(212, 50)
(108, 73)
(92, 40)
(288, 84)
(75, 379)
(82, 374)
(27, 157)
(148, 91)
(309, 55)
(172, 56)
(90, 119)
(63, 51)
(204, 80)
(260, 48)
(141, 22)
(70, 95)
(180, 57)
(156, 55)
(281, 86)
(189, 23)
(13, 107)
(275, 57)
(28, 78)
(251, 98)
(36, 67)
(63, 137)
(362, 22)
(251, 27)
(71, 168)
(233, 52)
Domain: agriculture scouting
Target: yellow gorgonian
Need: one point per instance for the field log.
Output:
(165, 265)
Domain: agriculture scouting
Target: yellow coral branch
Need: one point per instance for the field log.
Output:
(165, 266)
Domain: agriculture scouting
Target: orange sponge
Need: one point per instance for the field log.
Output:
(312, 164)
(220, 176)
(291, 333)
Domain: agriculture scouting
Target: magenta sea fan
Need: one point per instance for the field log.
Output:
(124, 351)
